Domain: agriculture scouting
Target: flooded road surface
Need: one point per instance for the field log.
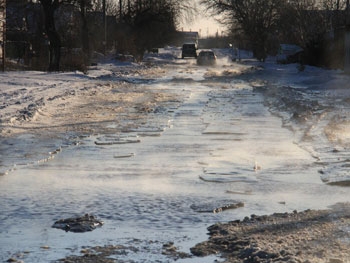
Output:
(159, 182)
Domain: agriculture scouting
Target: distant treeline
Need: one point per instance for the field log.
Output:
(262, 25)
(67, 34)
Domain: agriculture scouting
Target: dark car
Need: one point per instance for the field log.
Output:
(189, 50)
(289, 54)
(206, 57)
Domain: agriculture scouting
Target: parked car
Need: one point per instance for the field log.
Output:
(189, 50)
(125, 58)
(206, 57)
(289, 54)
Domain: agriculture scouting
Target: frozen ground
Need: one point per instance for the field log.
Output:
(150, 148)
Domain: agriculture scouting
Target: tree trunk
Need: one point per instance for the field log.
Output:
(54, 38)
(120, 10)
(85, 33)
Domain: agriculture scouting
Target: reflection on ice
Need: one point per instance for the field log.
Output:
(224, 146)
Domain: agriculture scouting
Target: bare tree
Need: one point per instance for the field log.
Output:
(335, 9)
(49, 7)
(84, 5)
(113, 7)
(317, 27)
(146, 24)
(154, 24)
(185, 10)
(309, 21)
(333, 4)
(258, 19)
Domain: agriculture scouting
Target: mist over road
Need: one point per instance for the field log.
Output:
(151, 150)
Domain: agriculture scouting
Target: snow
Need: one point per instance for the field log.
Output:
(29, 96)
(44, 114)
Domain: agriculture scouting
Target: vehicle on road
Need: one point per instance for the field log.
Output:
(289, 54)
(206, 57)
(189, 50)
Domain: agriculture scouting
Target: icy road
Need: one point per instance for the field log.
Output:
(267, 136)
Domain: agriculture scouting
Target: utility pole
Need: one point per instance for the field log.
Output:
(3, 32)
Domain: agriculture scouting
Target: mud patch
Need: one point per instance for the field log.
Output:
(78, 224)
(308, 236)
(120, 253)
(216, 207)
(99, 254)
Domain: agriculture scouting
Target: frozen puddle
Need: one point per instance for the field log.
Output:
(160, 183)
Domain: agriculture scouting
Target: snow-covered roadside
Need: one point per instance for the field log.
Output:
(315, 105)
(57, 107)
(27, 97)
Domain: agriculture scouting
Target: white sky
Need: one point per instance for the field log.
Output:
(204, 23)
(205, 26)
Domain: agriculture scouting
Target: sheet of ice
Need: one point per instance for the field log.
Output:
(227, 140)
